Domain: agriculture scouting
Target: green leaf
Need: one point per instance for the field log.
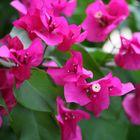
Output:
(115, 109)
(3, 104)
(6, 132)
(59, 57)
(111, 125)
(133, 133)
(7, 16)
(101, 57)
(39, 93)
(102, 129)
(127, 75)
(22, 35)
(32, 125)
(135, 19)
(79, 13)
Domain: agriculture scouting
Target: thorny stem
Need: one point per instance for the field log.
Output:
(45, 49)
(40, 66)
(44, 67)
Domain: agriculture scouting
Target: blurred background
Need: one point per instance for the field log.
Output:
(105, 129)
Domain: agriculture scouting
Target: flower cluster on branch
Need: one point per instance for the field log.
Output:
(45, 22)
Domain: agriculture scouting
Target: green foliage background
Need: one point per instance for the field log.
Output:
(34, 116)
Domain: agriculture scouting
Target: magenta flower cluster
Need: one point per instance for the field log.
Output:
(43, 21)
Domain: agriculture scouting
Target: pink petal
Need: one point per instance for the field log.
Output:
(69, 128)
(50, 64)
(65, 45)
(81, 37)
(128, 61)
(4, 52)
(36, 50)
(9, 98)
(98, 5)
(21, 73)
(57, 75)
(87, 73)
(100, 102)
(117, 87)
(69, 9)
(137, 90)
(19, 6)
(113, 13)
(127, 88)
(62, 25)
(122, 5)
(0, 121)
(131, 108)
(136, 37)
(95, 33)
(15, 43)
(75, 94)
(51, 39)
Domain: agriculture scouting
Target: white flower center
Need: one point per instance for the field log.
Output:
(98, 15)
(96, 87)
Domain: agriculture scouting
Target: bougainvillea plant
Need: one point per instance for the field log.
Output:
(55, 86)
